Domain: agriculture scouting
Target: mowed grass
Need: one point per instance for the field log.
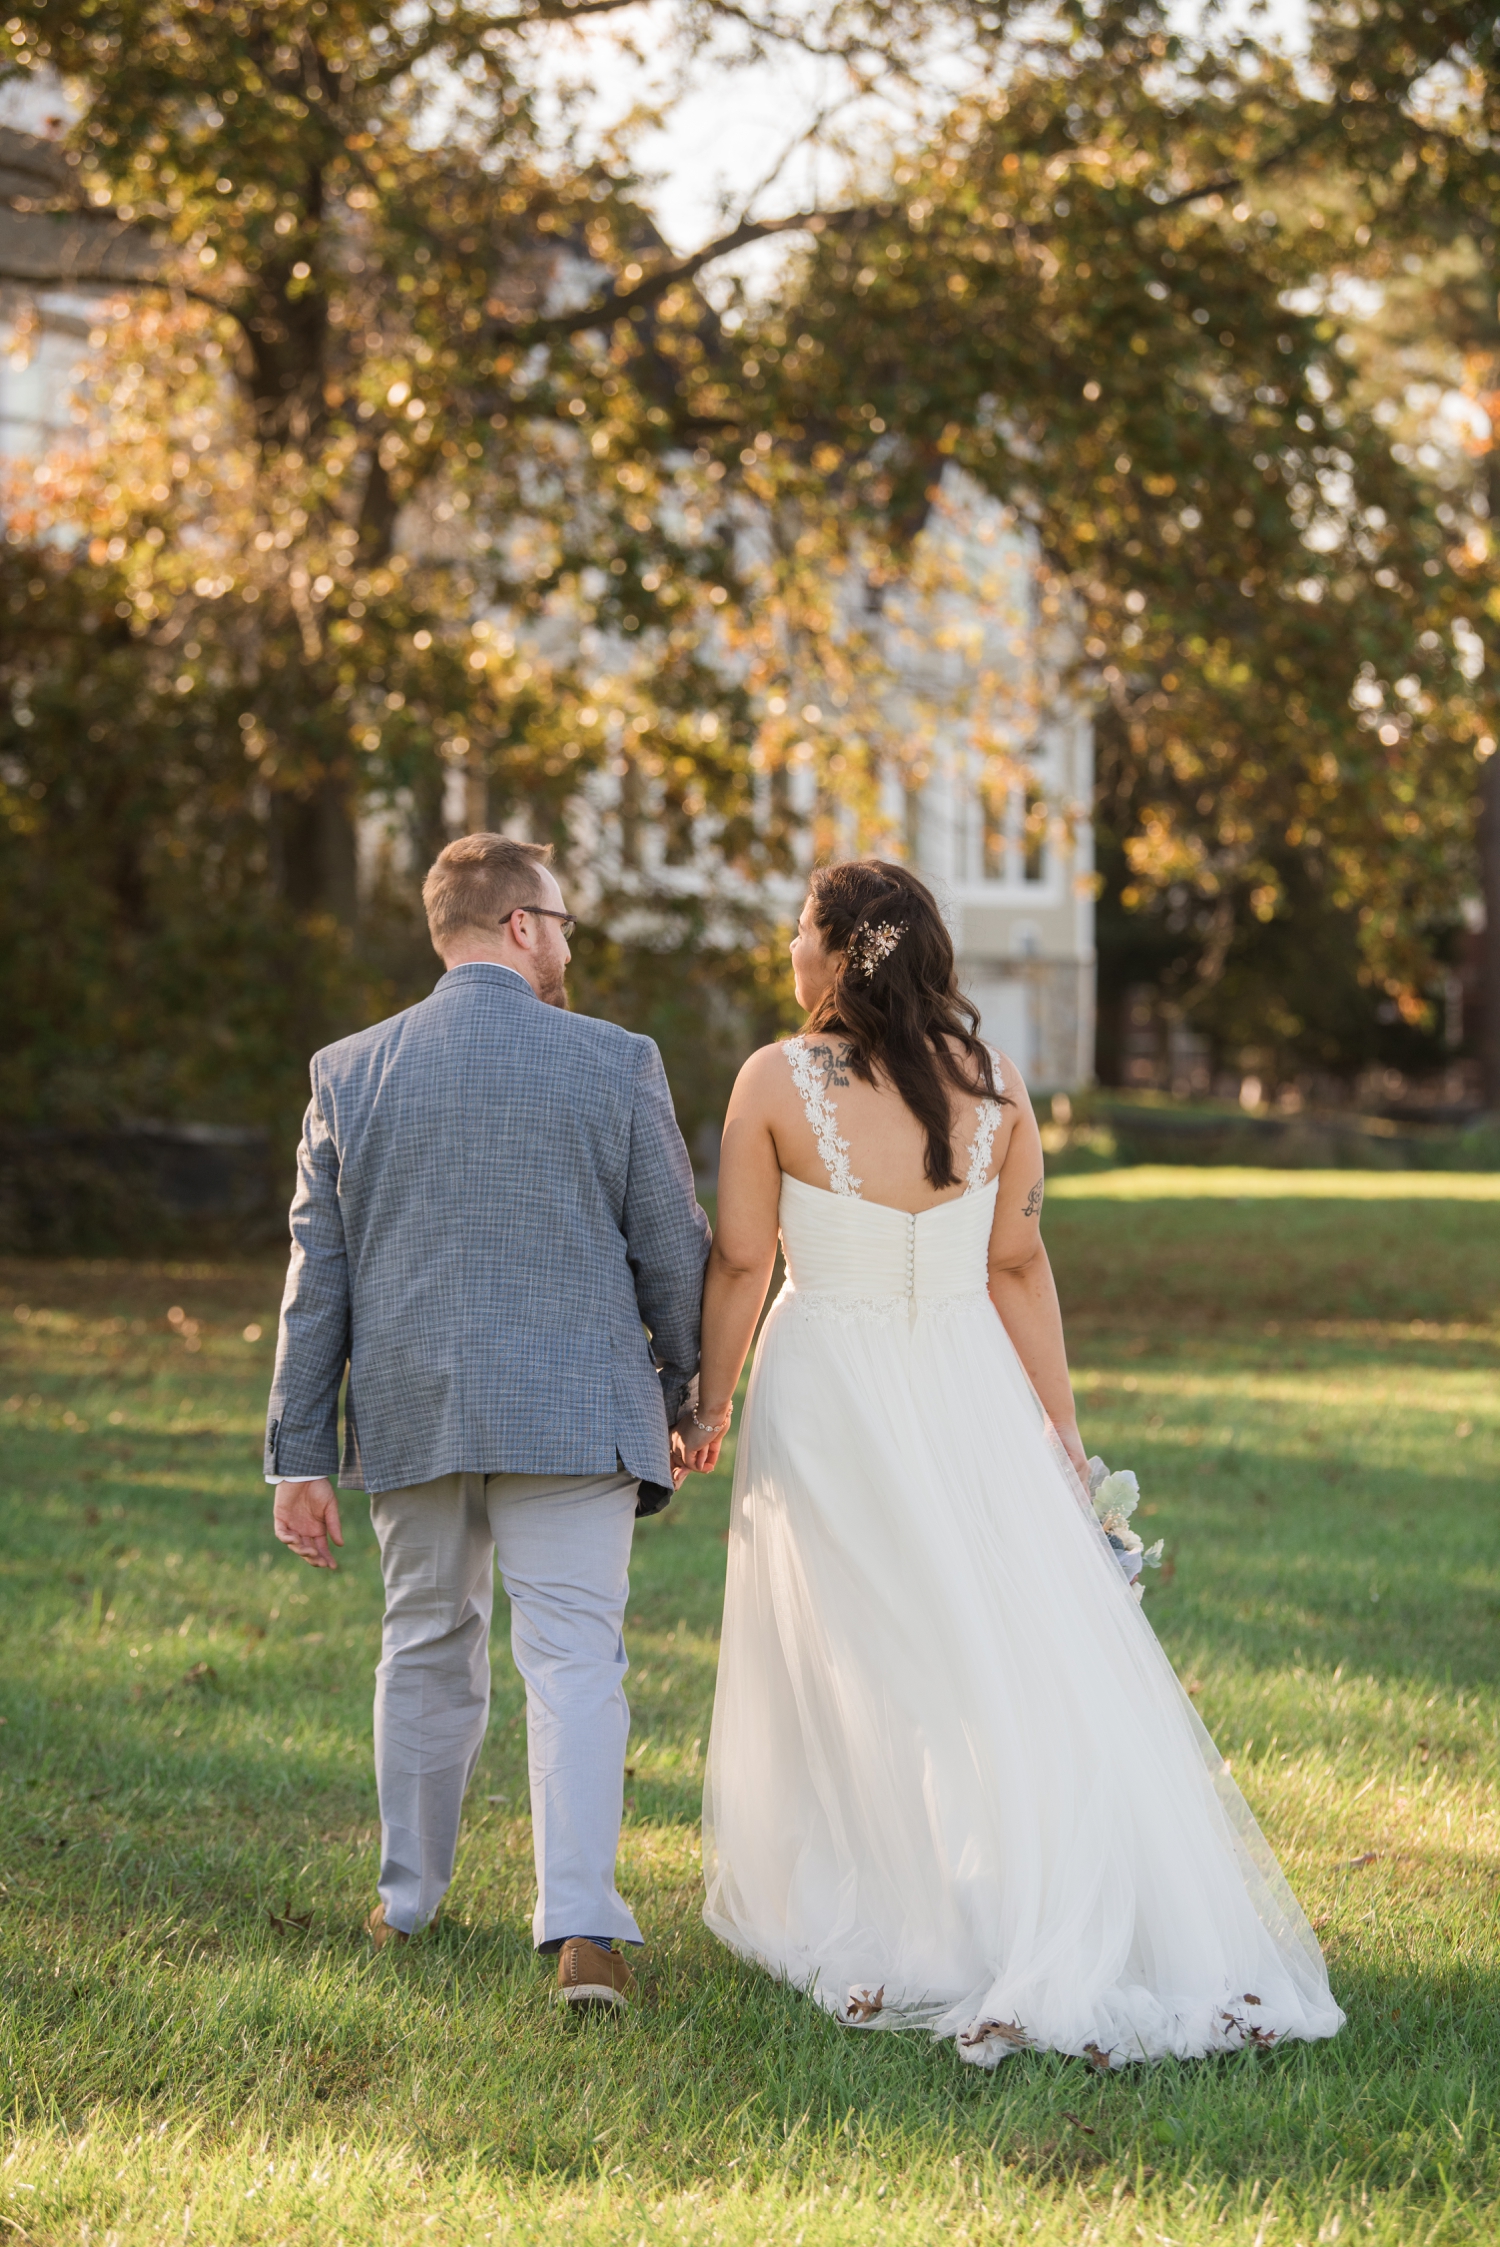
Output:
(196, 2043)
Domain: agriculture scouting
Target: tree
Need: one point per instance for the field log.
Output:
(1109, 305)
(1417, 95)
(346, 432)
(452, 473)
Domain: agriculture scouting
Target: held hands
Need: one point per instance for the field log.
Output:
(700, 1433)
(307, 1519)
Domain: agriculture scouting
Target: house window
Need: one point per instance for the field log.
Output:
(1034, 836)
(1012, 834)
(994, 834)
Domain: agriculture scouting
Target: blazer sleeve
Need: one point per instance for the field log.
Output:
(666, 1233)
(312, 1344)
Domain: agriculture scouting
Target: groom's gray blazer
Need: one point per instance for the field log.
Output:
(494, 1207)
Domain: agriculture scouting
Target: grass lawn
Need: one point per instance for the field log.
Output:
(197, 2045)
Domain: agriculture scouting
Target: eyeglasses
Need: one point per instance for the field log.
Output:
(548, 912)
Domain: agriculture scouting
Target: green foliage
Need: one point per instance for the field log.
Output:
(421, 463)
(1303, 1372)
(705, 1001)
(151, 972)
(336, 536)
(1292, 998)
(1152, 378)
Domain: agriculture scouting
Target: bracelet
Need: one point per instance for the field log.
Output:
(702, 1425)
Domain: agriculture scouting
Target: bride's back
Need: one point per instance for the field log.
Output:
(888, 1097)
(887, 1143)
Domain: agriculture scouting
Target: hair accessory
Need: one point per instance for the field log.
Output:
(869, 947)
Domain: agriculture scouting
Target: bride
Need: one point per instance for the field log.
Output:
(952, 1778)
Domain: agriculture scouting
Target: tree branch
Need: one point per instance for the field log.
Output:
(617, 304)
(444, 32)
(558, 11)
(111, 284)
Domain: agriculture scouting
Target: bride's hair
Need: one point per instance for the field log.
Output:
(895, 996)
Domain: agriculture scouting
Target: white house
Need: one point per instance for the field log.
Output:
(988, 790)
(1003, 824)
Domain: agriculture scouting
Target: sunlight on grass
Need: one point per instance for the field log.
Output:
(1153, 1182)
(196, 2044)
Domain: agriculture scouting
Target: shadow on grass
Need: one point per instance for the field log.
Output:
(187, 1865)
(1179, 1263)
(721, 2072)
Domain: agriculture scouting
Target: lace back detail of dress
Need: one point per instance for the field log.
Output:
(823, 1117)
(834, 1148)
(982, 1145)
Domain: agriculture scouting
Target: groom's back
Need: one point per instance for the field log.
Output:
(471, 1118)
(514, 1201)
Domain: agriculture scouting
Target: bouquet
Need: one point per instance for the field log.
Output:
(1115, 1498)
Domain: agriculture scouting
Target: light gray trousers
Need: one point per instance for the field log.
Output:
(563, 1543)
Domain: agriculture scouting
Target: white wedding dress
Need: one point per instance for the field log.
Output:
(953, 1780)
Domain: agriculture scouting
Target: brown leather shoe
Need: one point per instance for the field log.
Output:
(380, 1934)
(588, 1976)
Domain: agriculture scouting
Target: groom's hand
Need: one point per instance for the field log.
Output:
(307, 1519)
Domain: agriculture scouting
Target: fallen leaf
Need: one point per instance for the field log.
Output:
(1097, 2058)
(1086, 2127)
(861, 2006)
(1352, 1864)
(1009, 2032)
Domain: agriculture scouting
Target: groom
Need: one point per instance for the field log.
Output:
(494, 1211)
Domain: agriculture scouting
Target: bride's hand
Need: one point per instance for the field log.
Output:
(1072, 1443)
(701, 1434)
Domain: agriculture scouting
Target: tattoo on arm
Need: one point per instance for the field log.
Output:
(830, 1059)
(1033, 1201)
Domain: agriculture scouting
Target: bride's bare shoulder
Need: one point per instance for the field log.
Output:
(768, 1083)
(1008, 1079)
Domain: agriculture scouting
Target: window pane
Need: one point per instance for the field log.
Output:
(1034, 837)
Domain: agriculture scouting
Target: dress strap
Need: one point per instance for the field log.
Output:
(823, 1117)
(982, 1145)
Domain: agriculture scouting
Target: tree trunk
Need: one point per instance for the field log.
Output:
(315, 853)
(1489, 955)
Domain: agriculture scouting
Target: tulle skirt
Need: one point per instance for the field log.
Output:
(953, 1781)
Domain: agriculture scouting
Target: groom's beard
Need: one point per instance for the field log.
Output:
(550, 988)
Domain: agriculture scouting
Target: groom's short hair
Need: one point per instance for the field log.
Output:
(478, 880)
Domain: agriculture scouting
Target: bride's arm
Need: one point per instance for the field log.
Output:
(1022, 1288)
(743, 1255)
